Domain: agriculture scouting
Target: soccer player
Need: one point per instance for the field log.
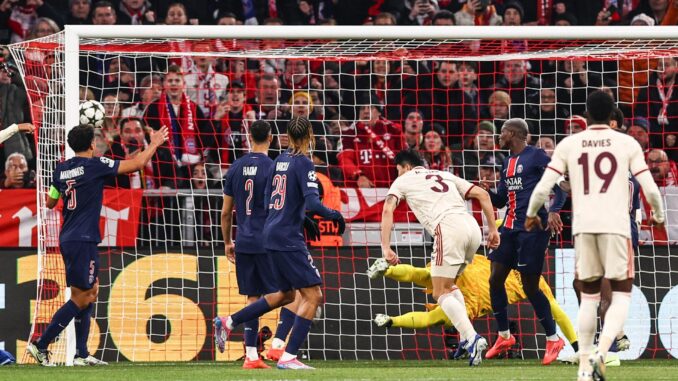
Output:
(292, 189)
(80, 181)
(437, 199)
(598, 161)
(521, 250)
(244, 189)
(476, 295)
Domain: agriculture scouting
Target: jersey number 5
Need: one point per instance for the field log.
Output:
(597, 168)
(70, 193)
(438, 179)
(280, 186)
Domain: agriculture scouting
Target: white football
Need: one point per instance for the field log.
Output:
(92, 113)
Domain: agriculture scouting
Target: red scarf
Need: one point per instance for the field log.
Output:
(665, 96)
(186, 142)
(376, 139)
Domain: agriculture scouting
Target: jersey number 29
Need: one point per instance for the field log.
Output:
(279, 188)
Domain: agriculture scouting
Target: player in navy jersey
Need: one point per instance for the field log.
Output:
(244, 189)
(521, 250)
(80, 181)
(293, 189)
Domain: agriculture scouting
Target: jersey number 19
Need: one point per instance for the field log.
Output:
(598, 169)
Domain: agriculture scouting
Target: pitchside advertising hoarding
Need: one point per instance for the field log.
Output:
(158, 306)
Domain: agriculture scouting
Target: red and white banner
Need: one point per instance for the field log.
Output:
(18, 219)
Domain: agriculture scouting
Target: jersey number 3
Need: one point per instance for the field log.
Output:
(278, 195)
(70, 193)
(438, 179)
(597, 168)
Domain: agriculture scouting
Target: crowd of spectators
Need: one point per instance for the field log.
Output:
(363, 112)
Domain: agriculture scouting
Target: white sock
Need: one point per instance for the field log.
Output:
(586, 322)
(277, 343)
(229, 323)
(287, 357)
(456, 292)
(251, 353)
(456, 311)
(505, 334)
(615, 317)
(553, 337)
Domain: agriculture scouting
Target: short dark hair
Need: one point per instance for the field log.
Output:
(80, 138)
(103, 4)
(443, 14)
(519, 126)
(409, 156)
(618, 116)
(599, 106)
(260, 131)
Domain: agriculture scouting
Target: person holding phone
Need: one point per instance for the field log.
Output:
(477, 12)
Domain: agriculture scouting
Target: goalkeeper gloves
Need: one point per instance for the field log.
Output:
(311, 229)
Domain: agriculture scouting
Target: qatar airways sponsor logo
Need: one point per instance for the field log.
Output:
(514, 184)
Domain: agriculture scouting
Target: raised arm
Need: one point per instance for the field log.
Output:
(139, 162)
(390, 205)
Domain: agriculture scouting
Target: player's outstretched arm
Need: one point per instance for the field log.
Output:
(486, 204)
(139, 162)
(14, 128)
(226, 226)
(390, 204)
(316, 207)
(653, 196)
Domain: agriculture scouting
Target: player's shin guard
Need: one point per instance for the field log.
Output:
(500, 308)
(250, 335)
(456, 311)
(59, 321)
(299, 334)
(586, 321)
(82, 323)
(252, 311)
(614, 320)
(284, 327)
(542, 309)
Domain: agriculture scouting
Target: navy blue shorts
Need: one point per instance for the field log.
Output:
(82, 263)
(295, 269)
(522, 251)
(256, 274)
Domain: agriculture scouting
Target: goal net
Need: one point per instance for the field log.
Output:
(369, 92)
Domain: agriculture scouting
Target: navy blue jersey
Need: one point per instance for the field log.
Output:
(246, 182)
(80, 181)
(634, 205)
(293, 178)
(519, 176)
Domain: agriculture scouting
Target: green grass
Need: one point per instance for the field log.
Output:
(338, 370)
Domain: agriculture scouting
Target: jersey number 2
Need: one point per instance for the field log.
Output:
(70, 193)
(438, 179)
(597, 168)
(280, 185)
(249, 188)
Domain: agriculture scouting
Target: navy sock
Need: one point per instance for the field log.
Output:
(251, 332)
(299, 334)
(251, 312)
(575, 346)
(542, 309)
(59, 321)
(82, 322)
(500, 308)
(284, 324)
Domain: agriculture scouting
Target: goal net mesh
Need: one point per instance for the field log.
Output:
(163, 273)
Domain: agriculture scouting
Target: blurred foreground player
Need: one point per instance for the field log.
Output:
(80, 181)
(598, 161)
(438, 200)
(244, 189)
(293, 190)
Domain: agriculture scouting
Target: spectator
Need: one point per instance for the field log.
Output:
(127, 145)
(490, 171)
(499, 105)
(368, 149)
(43, 27)
(547, 144)
(475, 13)
(17, 174)
(385, 18)
(639, 131)
(663, 170)
(103, 13)
(575, 124)
(419, 12)
(519, 84)
(200, 210)
(204, 85)
(192, 136)
(564, 19)
(548, 117)
(301, 104)
(19, 17)
(14, 110)
(135, 12)
(414, 125)
(443, 17)
(78, 12)
(513, 14)
(294, 78)
(118, 79)
(149, 90)
(383, 83)
(266, 99)
(176, 15)
(102, 146)
(234, 113)
(658, 102)
(656, 9)
(228, 18)
(112, 115)
(482, 145)
(441, 100)
(435, 153)
(468, 74)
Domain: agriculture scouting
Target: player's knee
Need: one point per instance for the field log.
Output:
(497, 281)
(288, 297)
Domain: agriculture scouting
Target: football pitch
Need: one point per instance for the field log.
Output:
(342, 370)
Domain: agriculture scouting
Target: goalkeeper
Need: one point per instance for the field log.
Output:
(474, 284)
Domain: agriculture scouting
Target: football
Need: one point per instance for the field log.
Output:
(93, 113)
